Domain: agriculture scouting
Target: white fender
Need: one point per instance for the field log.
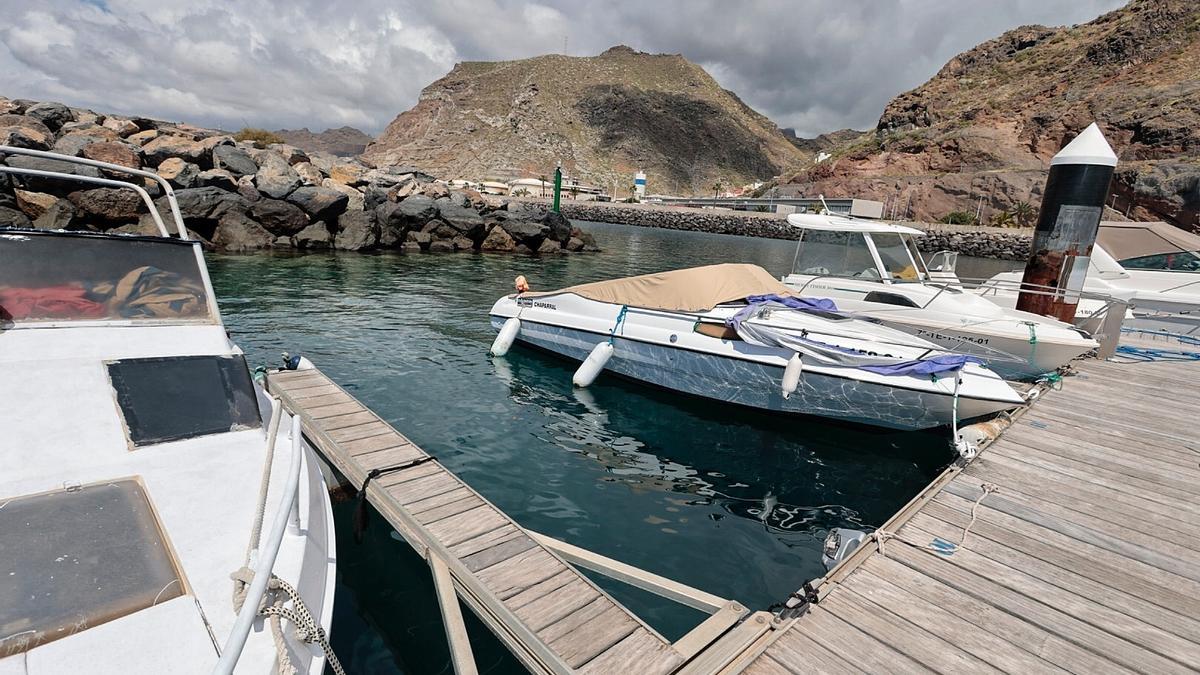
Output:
(305, 364)
(791, 375)
(593, 364)
(508, 333)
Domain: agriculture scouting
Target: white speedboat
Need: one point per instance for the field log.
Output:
(873, 270)
(143, 467)
(695, 331)
(1155, 267)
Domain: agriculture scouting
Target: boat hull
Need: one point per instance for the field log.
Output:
(756, 384)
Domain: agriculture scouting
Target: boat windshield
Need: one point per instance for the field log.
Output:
(62, 277)
(899, 260)
(1182, 261)
(837, 254)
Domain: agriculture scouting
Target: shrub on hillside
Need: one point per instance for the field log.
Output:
(260, 137)
(959, 218)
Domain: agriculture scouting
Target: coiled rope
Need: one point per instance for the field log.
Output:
(308, 630)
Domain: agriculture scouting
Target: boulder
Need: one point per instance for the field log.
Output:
(321, 203)
(347, 173)
(109, 205)
(589, 242)
(234, 160)
(179, 173)
(574, 244)
(462, 243)
(310, 174)
(357, 231)
(41, 184)
(279, 217)
(247, 190)
(387, 178)
(22, 131)
(441, 246)
(34, 204)
(525, 211)
(219, 178)
(284, 242)
(215, 141)
(58, 216)
(435, 190)
(275, 177)
(120, 126)
(392, 224)
(73, 144)
(373, 196)
(9, 106)
(13, 218)
(356, 201)
(207, 203)
(443, 231)
(549, 246)
(113, 152)
(53, 115)
(560, 227)
(398, 192)
(142, 137)
(313, 236)
(145, 226)
(462, 218)
(421, 239)
(237, 232)
(418, 210)
(526, 232)
(290, 153)
(166, 147)
(498, 240)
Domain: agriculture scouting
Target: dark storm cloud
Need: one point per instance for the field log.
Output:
(817, 66)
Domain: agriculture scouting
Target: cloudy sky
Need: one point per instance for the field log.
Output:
(816, 65)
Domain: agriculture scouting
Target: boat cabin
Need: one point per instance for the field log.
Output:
(836, 246)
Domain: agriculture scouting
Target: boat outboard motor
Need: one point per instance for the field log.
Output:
(839, 544)
(296, 362)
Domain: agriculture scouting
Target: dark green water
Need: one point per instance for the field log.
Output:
(730, 501)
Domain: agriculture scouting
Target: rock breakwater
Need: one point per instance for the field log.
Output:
(236, 196)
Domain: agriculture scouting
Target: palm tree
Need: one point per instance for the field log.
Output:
(543, 179)
(1023, 212)
(716, 188)
(1001, 219)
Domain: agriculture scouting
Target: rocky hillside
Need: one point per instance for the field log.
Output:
(987, 124)
(604, 117)
(343, 141)
(238, 197)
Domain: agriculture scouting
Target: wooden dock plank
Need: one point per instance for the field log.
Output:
(805, 656)
(543, 593)
(1086, 558)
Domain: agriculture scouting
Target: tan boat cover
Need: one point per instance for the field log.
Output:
(695, 289)
(1134, 240)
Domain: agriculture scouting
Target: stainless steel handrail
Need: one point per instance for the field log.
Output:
(166, 187)
(158, 221)
(236, 642)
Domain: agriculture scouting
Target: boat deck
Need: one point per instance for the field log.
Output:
(1071, 543)
(551, 616)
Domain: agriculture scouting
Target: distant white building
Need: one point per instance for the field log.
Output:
(491, 187)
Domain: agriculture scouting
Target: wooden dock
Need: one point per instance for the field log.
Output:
(1070, 544)
(552, 617)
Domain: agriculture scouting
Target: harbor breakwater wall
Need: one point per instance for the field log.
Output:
(237, 196)
(981, 242)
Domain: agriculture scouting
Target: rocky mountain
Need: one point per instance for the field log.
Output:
(343, 141)
(236, 196)
(604, 117)
(824, 142)
(982, 130)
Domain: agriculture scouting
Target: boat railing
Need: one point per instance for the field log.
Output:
(265, 562)
(108, 166)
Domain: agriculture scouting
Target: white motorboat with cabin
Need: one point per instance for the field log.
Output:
(159, 512)
(1153, 266)
(873, 270)
(733, 333)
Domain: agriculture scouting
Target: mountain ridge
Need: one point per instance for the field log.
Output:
(605, 117)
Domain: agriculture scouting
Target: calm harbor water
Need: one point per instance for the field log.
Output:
(728, 500)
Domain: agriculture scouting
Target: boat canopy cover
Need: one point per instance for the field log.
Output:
(696, 289)
(812, 221)
(1136, 240)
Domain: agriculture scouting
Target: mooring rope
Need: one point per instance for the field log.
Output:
(881, 536)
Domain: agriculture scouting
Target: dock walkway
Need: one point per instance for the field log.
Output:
(1070, 544)
(551, 616)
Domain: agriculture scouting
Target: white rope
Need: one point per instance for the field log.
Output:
(240, 588)
(308, 630)
(881, 536)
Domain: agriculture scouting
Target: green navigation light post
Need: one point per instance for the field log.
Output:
(557, 185)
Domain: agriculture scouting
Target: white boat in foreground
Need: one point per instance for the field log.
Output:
(138, 456)
(873, 270)
(693, 331)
